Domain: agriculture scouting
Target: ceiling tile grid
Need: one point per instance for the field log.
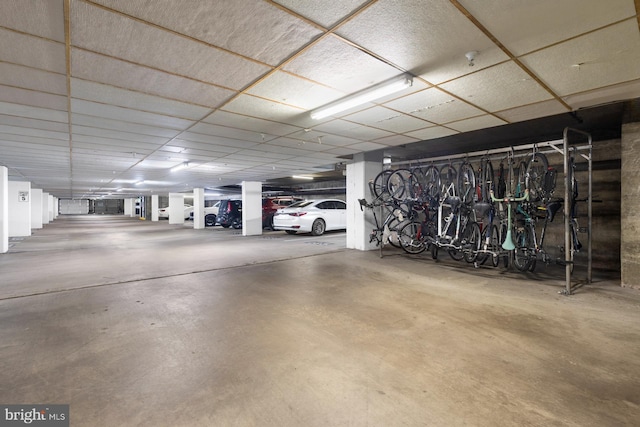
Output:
(229, 86)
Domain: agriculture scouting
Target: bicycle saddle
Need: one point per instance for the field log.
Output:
(553, 207)
(453, 201)
(482, 208)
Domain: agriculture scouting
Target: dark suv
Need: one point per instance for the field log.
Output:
(229, 213)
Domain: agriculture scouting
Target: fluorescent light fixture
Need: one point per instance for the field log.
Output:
(302, 177)
(139, 182)
(378, 91)
(180, 167)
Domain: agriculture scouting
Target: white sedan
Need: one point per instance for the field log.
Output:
(312, 216)
(164, 212)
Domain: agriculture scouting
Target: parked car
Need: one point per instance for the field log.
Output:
(164, 212)
(210, 214)
(271, 204)
(229, 214)
(312, 216)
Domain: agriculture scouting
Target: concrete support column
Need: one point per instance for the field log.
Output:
(52, 207)
(56, 209)
(19, 209)
(36, 208)
(198, 208)
(176, 208)
(251, 208)
(4, 209)
(155, 206)
(128, 207)
(364, 168)
(45, 208)
(630, 197)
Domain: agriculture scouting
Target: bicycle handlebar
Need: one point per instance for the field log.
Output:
(510, 199)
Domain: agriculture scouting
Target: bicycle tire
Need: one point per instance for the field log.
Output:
(494, 245)
(501, 186)
(487, 181)
(393, 226)
(466, 182)
(431, 184)
(472, 241)
(521, 183)
(522, 253)
(379, 184)
(448, 176)
(410, 239)
(536, 170)
(399, 184)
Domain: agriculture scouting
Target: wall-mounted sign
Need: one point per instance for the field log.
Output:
(23, 196)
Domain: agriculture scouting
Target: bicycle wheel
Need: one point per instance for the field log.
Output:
(393, 226)
(494, 245)
(521, 182)
(487, 183)
(466, 182)
(448, 176)
(536, 170)
(399, 184)
(379, 184)
(431, 182)
(410, 238)
(472, 240)
(523, 251)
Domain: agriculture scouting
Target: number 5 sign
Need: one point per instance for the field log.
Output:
(23, 196)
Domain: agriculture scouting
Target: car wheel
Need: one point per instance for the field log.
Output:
(225, 225)
(209, 220)
(317, 229)
(236, 224)
(290, 231)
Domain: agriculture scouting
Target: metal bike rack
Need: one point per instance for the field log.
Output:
(557, 146)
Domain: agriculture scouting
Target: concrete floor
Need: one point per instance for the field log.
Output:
(135, 323)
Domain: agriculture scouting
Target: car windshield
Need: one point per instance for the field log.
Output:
(301, 204)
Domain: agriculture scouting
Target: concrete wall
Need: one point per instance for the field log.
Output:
(630, 205)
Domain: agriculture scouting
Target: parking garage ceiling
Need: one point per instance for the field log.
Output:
(104, 97)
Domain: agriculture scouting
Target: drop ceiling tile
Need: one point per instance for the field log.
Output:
(33, 52)
(341, 66)
(44, 18)
(15, 130)
(101, 31)
(237, 28)
(432, 132)
(91, 66)
(601, 58)
(475, 123)
(33, 124)
(228, 132)
(323, 138)
(324, 12)
(498, 88)
(534, 111)
(351, 130)
(386, 119)
(113, 124)
(32, 98)
(342, 151)
(308, 145)
(215, 140)
(269, 128)
(439, 37)
(434, 106)
(264, 109)
(115, 134)
(525, 26)
(33, 112)
(104, 94)
(395, 140)
(180, 146)
(366, 146)
(30, 78)
(128, 115)
(622, 91)
(291, 90)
